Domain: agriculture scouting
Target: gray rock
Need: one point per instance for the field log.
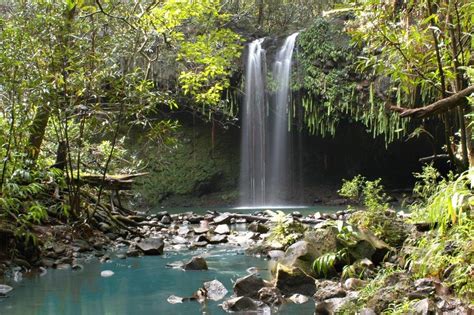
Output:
(5, 289)
(59, 249)
(222, 219)
(369, 246)
(201, 238)
(166, 219)
(270, 296)
(63, 266)
(106, 273)
(179, 240)
(215, 290)
(198, 244)
(81, 246)
(367, 311)
(151, 246)
(257, 227)
(196, 263)
(173, 299)
(218, 239)
(329, 289)
(245, 304)
(424, 307)
(394, 288)
(354, 284)
(184, 230)
(121, 256)
(331, 306)
(47, 262)
(298, 298)
(77, 266)
(133, 252)
(249, 286)
(222, 229)
(291, 280)
(201, 230)
(316, 243)
(275, 254)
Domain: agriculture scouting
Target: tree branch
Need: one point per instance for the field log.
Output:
(436, 108)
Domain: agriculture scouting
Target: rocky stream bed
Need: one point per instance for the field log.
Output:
(278, 273)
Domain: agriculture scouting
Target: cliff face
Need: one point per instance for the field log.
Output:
(193, 173)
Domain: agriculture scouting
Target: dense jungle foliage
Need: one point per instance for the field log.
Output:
(91, 89)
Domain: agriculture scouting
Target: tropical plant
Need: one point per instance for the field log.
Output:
(286, 230)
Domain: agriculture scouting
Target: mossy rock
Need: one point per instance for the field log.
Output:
(292, 280)
(315, 243)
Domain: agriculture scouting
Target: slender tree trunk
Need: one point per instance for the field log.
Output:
(37, 132)
(260, 5)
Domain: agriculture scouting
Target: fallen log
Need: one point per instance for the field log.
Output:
(110, 182)
(437, 107)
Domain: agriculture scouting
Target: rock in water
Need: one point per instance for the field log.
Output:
(222, 219)
(5, 289)
(215, 290)
(201, 230)
(248, 286)
(196, 263)
(270, 296)
(151, 246)
(245, 304)
(257, 227)
(106, 273)
(173, 299)
(292, 280)
(222, 229)
(217, 239)
(298, 298)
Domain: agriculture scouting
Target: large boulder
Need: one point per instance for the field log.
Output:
(196, 263)
(368, 245)
(291, 280)
(151, 246)
(315, 243)
(249, 286)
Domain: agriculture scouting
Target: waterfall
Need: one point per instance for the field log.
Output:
(253, 151)
(265, 158)
(280, 158)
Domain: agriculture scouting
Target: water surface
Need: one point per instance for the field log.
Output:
(139, 286)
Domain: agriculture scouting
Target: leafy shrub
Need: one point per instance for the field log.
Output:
(446, 251)
(375, 217)
(286, 231)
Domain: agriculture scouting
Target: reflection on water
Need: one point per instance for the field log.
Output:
(139, 286)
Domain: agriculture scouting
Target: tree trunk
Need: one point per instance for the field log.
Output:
(37, 131)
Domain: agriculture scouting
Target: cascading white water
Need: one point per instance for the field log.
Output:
(280, 159)
(264, 151)
(253, 151)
